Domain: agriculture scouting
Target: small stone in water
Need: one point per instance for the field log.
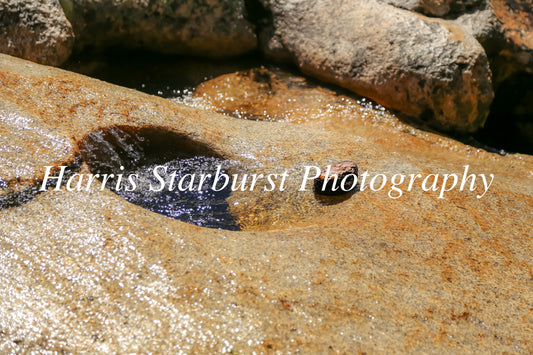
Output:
(337, 179)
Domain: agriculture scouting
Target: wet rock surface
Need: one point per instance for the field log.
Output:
(24, 153)
(35, 30)
(420, 66)
(209, 28)
(92, 272)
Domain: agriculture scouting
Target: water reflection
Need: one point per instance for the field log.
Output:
(161, 171)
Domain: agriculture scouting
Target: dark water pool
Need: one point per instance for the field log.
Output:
(162, 171)
(183, 189)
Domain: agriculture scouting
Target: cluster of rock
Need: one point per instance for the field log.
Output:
(424, 58)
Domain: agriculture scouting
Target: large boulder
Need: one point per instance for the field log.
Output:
(503, 27)
(35, 30)
(86, 271)
(505, 30)
(422, 67)
(194, 27)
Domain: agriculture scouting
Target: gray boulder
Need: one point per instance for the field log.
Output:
(503, 27)
(420, 66)
(35, 30)
(197, 27)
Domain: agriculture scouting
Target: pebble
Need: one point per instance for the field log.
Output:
(333, 175)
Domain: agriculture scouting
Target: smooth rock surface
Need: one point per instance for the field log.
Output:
(193, 27)
(35, 30)
(420, 66)
(86, 271)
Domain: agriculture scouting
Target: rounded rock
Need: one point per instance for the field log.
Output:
(330, 181)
